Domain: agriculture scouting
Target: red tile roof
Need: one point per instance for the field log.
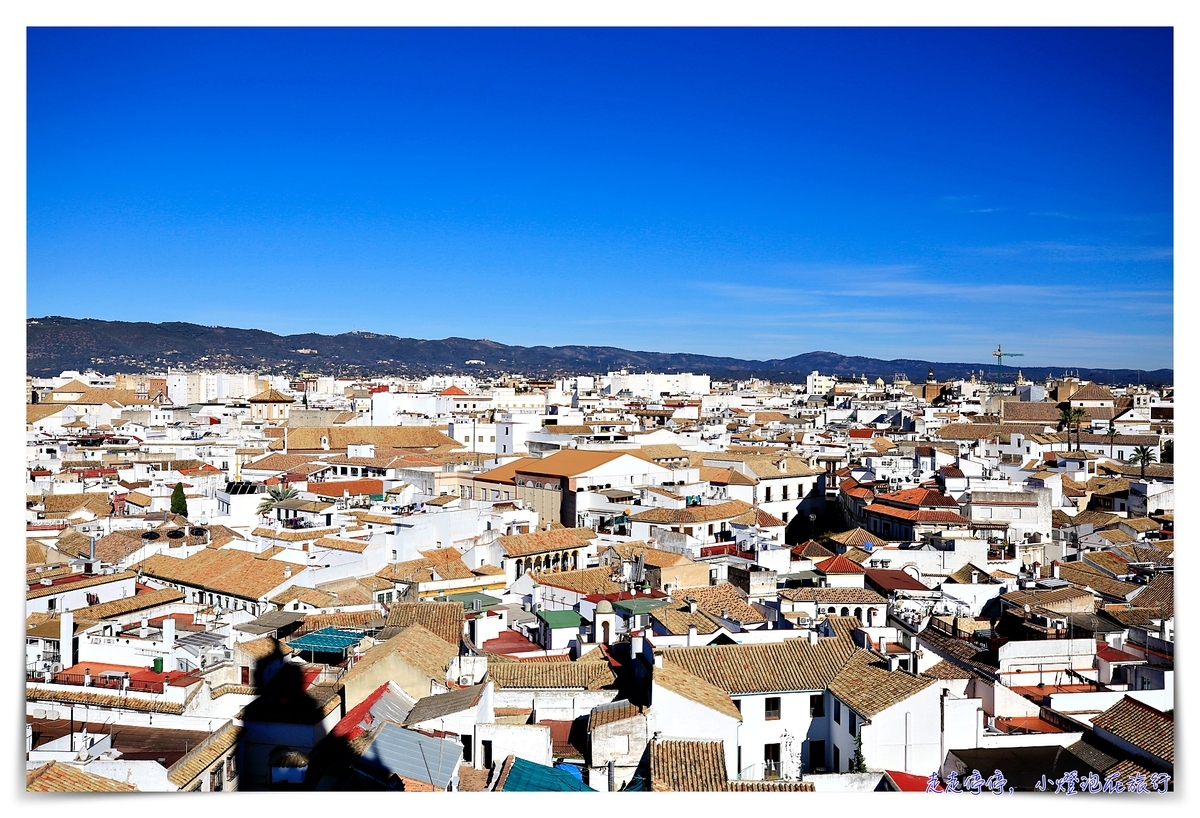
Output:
(839, 565)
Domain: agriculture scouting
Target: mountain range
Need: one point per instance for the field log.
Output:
(55, 344)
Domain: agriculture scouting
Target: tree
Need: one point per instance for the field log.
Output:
(1112, 434)
(858, 764)
(178, 501)
(276, 494)
(1143, 456)
(1168, 452)
(1068, 417)
(1080, 416)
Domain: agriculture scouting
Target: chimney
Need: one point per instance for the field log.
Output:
(144, 628)
(287, 572)
(1054, 567)
(813, 637)
(974, 577)
(883, 646)
(691, 605)
(168, 632)
(66, 638)
(691, 635)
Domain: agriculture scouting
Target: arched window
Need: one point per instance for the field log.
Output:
(845, 611)
(858, 613)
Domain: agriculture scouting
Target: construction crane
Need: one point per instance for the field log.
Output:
(1000, 355)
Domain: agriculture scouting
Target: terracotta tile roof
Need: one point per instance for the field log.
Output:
(346, 620)
(963, 575)
(138, 602)
(1045, 598)
(962, 653)
(1108, 562)
(1091, 392)
(584, 581)
(416, 646)
(59, 777)
(868, 687)
(1085, 576)
(96, 502)
(539, 542)
(653, 557)
(811, 550)
(947, 670)
(783, 666)
(1141, 725)
(197, 760)
(223, 571)
(614, 712)
(674, 678)
(675, 619)
(834, 596)
(695, 514)
(339, 544)
(339, 437)
(295, 534)
(687, 766)
(38, 591)
(857, 536)
(543, 675)
(128, 702)
(1159, 593)
(771, 786)
(570, 462)
(725, 596)
(259, 649)
(839, 565)
(444, 619)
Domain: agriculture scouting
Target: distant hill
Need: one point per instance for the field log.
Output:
(55, 344)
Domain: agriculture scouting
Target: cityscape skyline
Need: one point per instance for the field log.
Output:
(824, 187)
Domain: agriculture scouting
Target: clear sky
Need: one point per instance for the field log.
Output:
(748, 192)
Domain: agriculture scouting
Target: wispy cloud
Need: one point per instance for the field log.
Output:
(1070, 251)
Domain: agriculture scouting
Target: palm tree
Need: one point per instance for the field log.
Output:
(1112, 434)
(1144, 456)
(1068, 417)
(276, 494)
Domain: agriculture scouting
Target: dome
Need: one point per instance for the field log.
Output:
(604, 607)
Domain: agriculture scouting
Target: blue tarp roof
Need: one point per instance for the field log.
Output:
(525, 776)
(326, 640)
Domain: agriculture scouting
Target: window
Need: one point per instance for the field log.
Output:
(783, 493)
(837, 711)
(767, 495)
(785, 514)
(837, 759)
(216, 778)
(231, 768)
(770, 761)
(772, 708)
(816, 756)
(853, 723)
(816, 705)
(492, 439)
(1016, 514)
(738, 704)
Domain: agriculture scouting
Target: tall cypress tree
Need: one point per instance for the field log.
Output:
(178, 501)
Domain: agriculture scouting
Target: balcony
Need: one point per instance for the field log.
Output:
(100, 682)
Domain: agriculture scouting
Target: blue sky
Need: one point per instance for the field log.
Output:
(749, 192)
